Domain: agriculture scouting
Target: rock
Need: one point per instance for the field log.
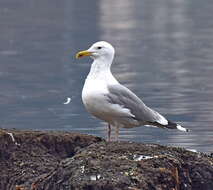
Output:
(26, 156)
(64, 160)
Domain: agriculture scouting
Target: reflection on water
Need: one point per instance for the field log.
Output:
(163, 53)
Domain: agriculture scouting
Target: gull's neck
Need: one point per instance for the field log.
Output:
(100, 69)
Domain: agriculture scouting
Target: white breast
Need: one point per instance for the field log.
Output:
(96, 102)
(92, 93)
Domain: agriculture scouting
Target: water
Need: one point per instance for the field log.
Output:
(163, 53)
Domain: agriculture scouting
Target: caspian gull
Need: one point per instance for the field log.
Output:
(105, 98)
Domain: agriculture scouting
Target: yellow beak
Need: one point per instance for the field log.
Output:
(82, 54)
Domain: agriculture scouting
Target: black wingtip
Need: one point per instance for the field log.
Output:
(170, 125)
(188, 130)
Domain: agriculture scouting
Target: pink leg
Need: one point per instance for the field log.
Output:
(117, 133)
(109, 133)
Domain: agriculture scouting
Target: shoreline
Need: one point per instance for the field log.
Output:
(52, 160)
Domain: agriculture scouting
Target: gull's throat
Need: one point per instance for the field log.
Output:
(100, 68)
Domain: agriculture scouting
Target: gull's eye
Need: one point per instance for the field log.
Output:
(99, 47)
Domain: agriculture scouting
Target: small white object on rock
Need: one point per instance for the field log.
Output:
(95, 177)
(192, 150)
(143, 157)
(82, 169)
(13, 139)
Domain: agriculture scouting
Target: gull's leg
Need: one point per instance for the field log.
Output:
(109, 133)
(116, 133)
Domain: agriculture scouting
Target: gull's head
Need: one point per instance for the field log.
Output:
(98, 50)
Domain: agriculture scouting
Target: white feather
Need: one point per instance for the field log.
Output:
(162, 120)
(181, 128)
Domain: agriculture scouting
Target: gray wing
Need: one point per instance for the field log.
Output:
(122, 96)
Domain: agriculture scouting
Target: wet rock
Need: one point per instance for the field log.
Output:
(59, 161)
(28, 155)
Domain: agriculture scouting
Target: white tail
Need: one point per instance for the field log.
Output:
(179, 127)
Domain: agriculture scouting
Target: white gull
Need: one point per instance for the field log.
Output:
(105, 98)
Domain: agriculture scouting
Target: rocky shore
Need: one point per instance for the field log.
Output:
(40, 160)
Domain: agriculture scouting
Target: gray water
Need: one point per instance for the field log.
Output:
(164, 53)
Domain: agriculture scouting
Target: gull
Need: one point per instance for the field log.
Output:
(105, 98)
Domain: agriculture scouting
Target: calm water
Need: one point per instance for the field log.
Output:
(164, 53)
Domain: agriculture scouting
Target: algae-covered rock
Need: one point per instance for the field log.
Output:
(28, 155)
(59, 161)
